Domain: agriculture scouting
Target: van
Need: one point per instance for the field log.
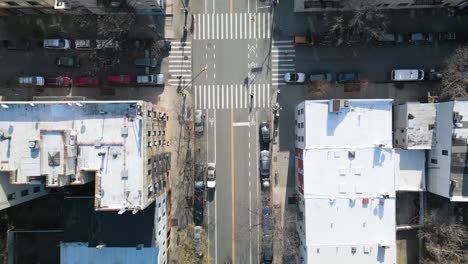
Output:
(320, 77)
(407, 75)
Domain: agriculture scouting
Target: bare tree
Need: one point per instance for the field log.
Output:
(455, 75)
(444, 238)
(360, 21)
(188, 250)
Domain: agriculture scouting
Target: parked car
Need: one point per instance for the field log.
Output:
(199, 122)
(407, 75)
(447, 36)
(155, 79)
(32, 80)
(19, 44)
(60, 81)
(320, 77)
(118, 79)
(386, 39)
(421, 38)
(293, 77)
(265, 132)
(146, 62)
(86, 81)
(265, 168)
(85, 44)
(348, 77)
(199, 172)
(211, 177)
(198, 210)
(68, 61)
(197, 234)
(62, 44)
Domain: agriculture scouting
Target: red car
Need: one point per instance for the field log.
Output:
(86, 81)
(61, 81)
(118, 79)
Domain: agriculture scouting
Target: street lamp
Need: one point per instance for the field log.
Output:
(204, 69)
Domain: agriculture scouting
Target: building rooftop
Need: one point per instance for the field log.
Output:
(414, 125)
(410, 167)
(77, 142)
(356, 123)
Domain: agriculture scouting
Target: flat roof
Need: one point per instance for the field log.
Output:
(363, 123)
(367, 172)
(410, 166)
(71, 253)
(420, 122)
(70, 142)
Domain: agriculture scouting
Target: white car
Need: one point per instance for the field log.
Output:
(32, 80)
(407, 75)
(155, 79)
(211, 178)
(294, 77)
(62, 44)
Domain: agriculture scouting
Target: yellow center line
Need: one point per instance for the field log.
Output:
(230, 6)
(233, 249)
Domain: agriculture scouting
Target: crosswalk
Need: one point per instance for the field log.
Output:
(231, 96)
(180, 64)
(282, 60)
(232, 26)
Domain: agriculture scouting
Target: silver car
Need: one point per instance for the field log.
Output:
(32, 80)
(199, 122)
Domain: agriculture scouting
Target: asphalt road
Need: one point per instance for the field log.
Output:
(230, 52)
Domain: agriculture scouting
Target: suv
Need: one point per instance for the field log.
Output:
(147, 62)
(320, 77)
(265, 132)
(62, 44)
(265, 168)
(154, 79)
(32, 80)
(407, 75)
(348, 77)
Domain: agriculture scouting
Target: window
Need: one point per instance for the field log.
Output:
(302, 111)
(164, 200)
(11, 196)
(149, 161)
(33, 3)
(10, 3)
(24, 192)
(298, 112)
(159, 220)
(445, 152)
(434, 161)
(298, 125)
(149, 133)
(295, 121)
(159, 205)
(385, 5)
(149, 172)
(159, 233)
(37, 189)
(164, 213)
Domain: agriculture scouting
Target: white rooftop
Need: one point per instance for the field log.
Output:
(74, 143)
(410, 166)
(364, 123)
(414, 125)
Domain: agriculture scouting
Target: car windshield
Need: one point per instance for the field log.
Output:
(60, 81)
(61, 42)
(294, 77)
(122, 78)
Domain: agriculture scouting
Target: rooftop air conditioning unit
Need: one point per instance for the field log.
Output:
(335, 105)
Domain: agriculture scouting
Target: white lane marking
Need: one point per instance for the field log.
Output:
(236, 124)
(208, 26)
(235, 25)
(277, 74)
(250, 26)
(282, 46)
(203, 26)
(177, 61)
(178, 51)
(196, 97)
(217, 26)
(268, 95)
(180, 42)
(232, 95)
(283, 55)
(204, 97)
(227, 26)
(199, 96)
(213, 24)
(264, 25)
(179, 70)
(254, 26)
(282, 83)
(230, 25)
(209, 96)
(217, 96)
(241, 96)
(237, 97)
(281, 60)
(280, 50)
(268, 26)
(197, 27)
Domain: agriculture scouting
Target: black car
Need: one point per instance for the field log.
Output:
(20, 44)
(198, 210)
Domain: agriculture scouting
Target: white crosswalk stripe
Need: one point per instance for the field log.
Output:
(210, 26)
(180, 64)
(282, 60)
(231, 96)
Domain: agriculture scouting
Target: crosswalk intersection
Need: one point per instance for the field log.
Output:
(232, 26)
(282, 60)
(231, 96)
(180, 64)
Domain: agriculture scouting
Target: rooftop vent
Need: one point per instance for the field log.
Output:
(54, 158)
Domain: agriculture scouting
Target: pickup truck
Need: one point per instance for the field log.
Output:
(154, 79)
